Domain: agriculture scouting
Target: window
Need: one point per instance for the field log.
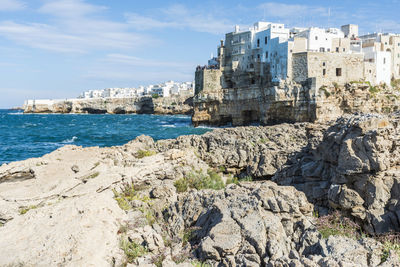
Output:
(338, 72)
(266, 40)
(258, 42)
(266, 54)
(324, 72)
(329, 50)
(337, 49)
(322, 49)
(384, 60)
(323, 64)
(370, 71)
(258, 56)
(344, 49)
(316, 37)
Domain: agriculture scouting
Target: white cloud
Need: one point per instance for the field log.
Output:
(11, 5)
(70, 8)
(285, 11)
(75, 28)
(179, 17)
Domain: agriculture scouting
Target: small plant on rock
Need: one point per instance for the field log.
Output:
(337, 224)
(24, 210)
(198, 180)
(132, 249)
(145, 153)
(391, 242)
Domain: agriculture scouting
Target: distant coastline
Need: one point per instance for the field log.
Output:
(172, 105)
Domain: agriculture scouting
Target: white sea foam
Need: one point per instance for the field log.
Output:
(69, 141)
(169, 126)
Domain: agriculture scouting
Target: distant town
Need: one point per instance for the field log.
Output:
(166, 89)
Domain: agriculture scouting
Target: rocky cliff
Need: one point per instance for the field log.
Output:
(209, 199)
(140, 105)
(289, 102)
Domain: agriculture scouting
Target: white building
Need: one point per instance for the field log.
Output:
(164, 90)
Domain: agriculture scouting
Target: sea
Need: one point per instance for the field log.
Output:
(24, 136)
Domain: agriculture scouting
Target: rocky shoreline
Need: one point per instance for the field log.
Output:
(139, 105)
(244, 196)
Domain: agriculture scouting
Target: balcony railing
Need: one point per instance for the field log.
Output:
(238, 52)
(238, 42)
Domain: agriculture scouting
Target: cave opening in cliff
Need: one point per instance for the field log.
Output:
(250, 116)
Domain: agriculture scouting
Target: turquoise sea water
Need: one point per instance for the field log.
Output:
(25, 136)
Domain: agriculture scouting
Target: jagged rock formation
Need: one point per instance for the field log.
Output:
(140, 105)
(75, 206)
(289, 102)
(355, 168)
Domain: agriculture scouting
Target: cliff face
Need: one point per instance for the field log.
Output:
(140, 105)
(285, 102)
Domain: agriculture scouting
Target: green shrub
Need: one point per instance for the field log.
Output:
(145, 153)
(24, 210)
(128, 194)
(198, 180)
(395, 83)
(232, 180)
(336, 85)
(326, 93)
(373, 89)
(181, 185)
(337, 224)
(155, 96)
(200, 264)
(173, 104)
(387, 247)
(132, 250)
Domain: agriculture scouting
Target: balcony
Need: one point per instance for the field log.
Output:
(238, 42)
(238, 52)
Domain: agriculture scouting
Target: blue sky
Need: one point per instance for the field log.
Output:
(59, 48)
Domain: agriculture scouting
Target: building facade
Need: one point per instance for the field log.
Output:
(268, 53)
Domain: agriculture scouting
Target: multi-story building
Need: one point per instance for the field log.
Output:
(269, 53)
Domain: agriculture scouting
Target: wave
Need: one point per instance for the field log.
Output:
(15, 113)
(70, 141)
(169, 126)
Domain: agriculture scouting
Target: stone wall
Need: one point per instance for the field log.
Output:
(207, 80)
(328, 68)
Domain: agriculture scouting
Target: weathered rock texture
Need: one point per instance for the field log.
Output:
(285, 102)
(141, 105)
(355, 168)
(61, 209)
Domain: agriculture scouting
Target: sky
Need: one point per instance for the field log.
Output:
(59, 48)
